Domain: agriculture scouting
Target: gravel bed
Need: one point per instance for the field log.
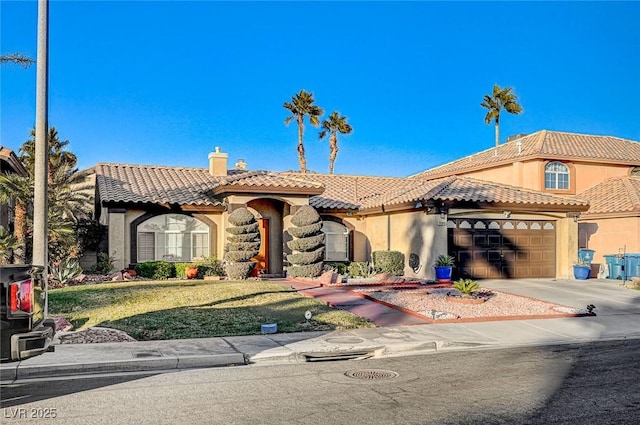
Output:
(93, 336)
(432, 303)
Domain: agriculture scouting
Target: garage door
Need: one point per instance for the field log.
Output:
(500, 249)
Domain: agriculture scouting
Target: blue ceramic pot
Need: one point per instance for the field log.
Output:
(443, 273)
(581, 272)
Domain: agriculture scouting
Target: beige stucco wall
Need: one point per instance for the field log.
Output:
(530, 174)
(610, 236)
(410, 233)
(588, 175)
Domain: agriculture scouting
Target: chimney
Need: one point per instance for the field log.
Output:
(218, 163)
(241, 164)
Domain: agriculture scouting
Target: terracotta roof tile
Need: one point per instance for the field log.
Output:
(545, 144)
(267, 179)
(155, 184)
(614, 195)
(347, 191)
(474, 190)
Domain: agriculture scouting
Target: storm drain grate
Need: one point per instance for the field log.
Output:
(371, 374)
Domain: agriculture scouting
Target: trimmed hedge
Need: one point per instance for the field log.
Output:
(305, 258)
(305, 216)
(307, 245)
(391, 262)
(310, 270)
(156, 269)
(243, 244)
(304, 231)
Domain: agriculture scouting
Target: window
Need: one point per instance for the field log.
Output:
(172, 237)
(336, 241)
(556, 176)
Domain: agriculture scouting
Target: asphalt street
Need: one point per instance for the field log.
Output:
(587, 383)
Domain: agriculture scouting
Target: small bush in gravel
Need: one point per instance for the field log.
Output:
(391, 262)
(243, 243)
(307, 245)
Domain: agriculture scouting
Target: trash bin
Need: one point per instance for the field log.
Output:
(632, 265)
(586, 255)
(615, 265)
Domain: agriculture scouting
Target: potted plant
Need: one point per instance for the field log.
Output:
(444, 267)
(581, 270)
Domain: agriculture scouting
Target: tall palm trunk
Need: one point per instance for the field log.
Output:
(497, 130)
(333, 146)
(19, 231)
(301, 159)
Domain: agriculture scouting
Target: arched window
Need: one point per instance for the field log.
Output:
(172, 237)
(556, 176)
(336, 241)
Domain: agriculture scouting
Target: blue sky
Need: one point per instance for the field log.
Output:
(163, 82)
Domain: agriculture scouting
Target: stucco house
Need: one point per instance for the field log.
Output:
(603, 170)
(510, 211)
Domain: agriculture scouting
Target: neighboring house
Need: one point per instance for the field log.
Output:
(603, 170)
(9, 164)
(493, 229)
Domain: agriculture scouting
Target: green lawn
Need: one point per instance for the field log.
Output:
(149, 310)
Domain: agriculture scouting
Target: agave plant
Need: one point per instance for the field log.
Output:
(467, 287)
(65, 271)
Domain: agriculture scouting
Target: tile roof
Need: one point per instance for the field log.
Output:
(614, 195)
(124, 183)
(348, 191)
(465, 189)
(545, 144)
(151, 184)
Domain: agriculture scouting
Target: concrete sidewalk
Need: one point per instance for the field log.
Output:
(617, 309)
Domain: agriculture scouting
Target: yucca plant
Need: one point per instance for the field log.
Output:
(65, 271)
(467, 287)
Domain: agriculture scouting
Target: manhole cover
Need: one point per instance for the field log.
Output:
(371, 374)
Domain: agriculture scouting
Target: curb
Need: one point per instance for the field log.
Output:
(11, 373)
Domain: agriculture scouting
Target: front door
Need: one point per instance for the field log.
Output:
(262, 259)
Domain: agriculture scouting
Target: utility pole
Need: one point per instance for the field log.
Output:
(40, 254)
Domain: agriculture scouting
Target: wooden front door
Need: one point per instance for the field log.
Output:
(262, 258)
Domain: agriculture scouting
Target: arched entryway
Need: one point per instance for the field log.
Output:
(269, 213)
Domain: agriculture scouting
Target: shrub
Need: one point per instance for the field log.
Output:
(211, 266)
(444, 260)
(391, 262)
(305, 231)
(243, 244)
(156, 270)
(340, 268)
(307, 245)
(239, 271)
(104, 265)
(360, 269)
(310, 270)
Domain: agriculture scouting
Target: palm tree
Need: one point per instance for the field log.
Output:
(18, 59)
(20, 190)
(501, 99)
(58, 155)
(334, 125)
(8, 244)
(302, 105)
